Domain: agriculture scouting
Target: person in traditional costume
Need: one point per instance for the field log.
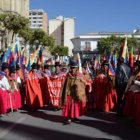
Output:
(46, 70)
(57, 68)
(4, 89)
(103, 90)
(14, 87)
(64, 69)
(33, 91)
(39, 70)
(132, 93)
(72, 96)
(90, 96)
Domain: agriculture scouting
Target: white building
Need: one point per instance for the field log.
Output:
(63, 30)
(38, 19)
(88, 42)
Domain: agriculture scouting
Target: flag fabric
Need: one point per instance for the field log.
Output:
(131, 61)
(115, 62)
(35, 55)
(96, 64)
(105, 56)
(23, 75)
(48, 61)
(138, 58)
(124, 50)
(111, 71)
(79, 63)
(110, 57)
(29, 64)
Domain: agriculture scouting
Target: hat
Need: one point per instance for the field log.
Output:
(137, 63)
(73, 64)
(57, 64)
(12, 69)
(46, 67)
(105, 63)
(5, 65)
(38, 66)
(121, 60)
(53, 69)
(64, 66)
(17, 67)
(34, 66)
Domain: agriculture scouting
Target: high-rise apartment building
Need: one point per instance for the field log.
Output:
(20, 7)
(63, 30)
(38, 19)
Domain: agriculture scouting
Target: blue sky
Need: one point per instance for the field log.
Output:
(94, 15)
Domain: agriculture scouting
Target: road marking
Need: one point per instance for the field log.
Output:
(8, 129)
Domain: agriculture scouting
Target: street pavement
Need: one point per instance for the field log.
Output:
(46, 124)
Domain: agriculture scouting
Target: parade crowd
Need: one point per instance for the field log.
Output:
(65, 87)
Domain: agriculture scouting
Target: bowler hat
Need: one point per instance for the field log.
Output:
(73, 64)
(5, 65)
(57, 64)
(17, 67)
(34, 66)
(12, 69)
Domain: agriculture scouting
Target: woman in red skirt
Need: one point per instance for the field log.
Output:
(72, 96)
(131, 90)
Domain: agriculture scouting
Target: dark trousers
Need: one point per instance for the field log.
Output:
(120, 91)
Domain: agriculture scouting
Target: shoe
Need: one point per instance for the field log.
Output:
(76, 120)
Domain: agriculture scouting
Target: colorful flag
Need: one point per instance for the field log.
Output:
(48, 61)
(138, 58)
(96, 64)
(23, 75)
(124, 50)
(111, 71)
(105, 56)
(35, 55)
(131, 61)
(79, 63)
(29, 64)
(115, 62)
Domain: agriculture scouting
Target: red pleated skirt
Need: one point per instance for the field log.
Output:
(17, 98)
(129, 107)
(3, 101)
(73, 109)
(137, 105)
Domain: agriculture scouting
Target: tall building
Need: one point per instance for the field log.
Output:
(20, 7)
(63, 30)
(38, 19)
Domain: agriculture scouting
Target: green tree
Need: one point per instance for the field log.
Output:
(61, 50)
(115, 43)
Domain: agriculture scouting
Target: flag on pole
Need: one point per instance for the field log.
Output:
(131, 61)
(48, 61)
(124, 50)
(105, 56)
(79, 63)
(111, 71)
(23, 75)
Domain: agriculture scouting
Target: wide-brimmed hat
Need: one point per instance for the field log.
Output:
(73, 64)
(34, 66)
(38, 66)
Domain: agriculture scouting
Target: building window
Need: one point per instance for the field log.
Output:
(87, 46)
(40, 13)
